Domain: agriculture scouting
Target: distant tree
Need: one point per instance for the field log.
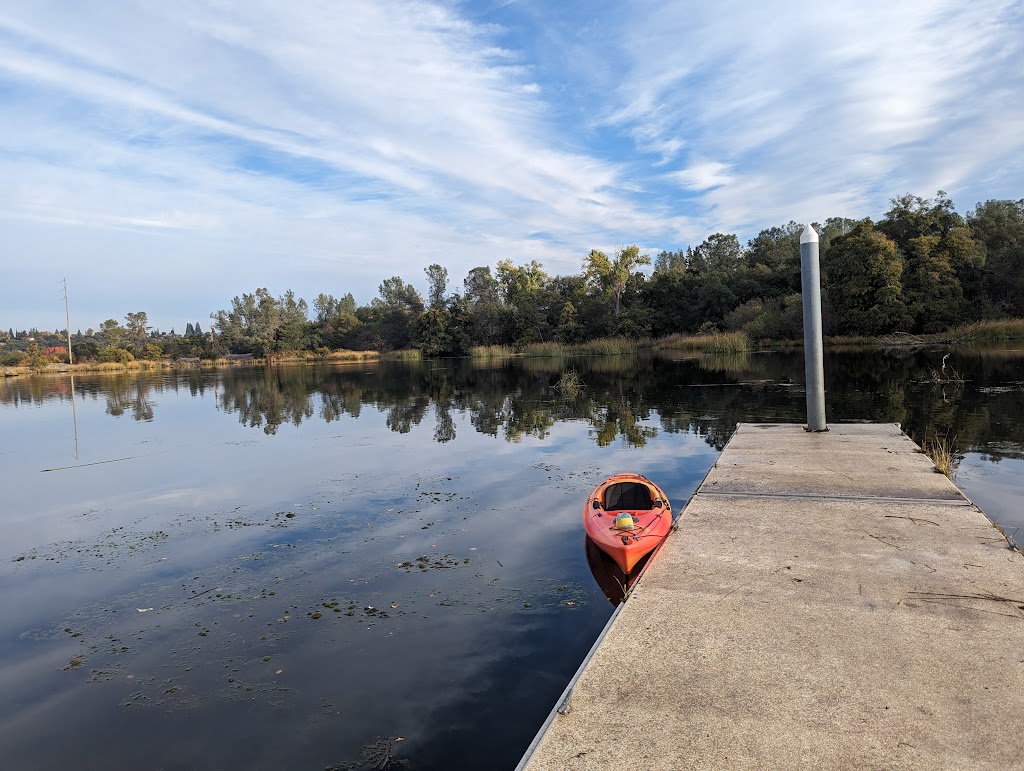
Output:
(137, 329)
(611, 276)
(116, 355)
(152, 351)
(772, 259)
(432, 337)
(87, 350)
(670, 262)
(396, 294)
(334, 319)
(523, 291)
(911, 216)
(252, 324)
(864, 275)
(437, 279)
(831, 230)
(999, 227)
(292, 331)
(932, 293)
(36, 358)
(111, 334)
(480, 286)
(326, 307)
(188, 330)
(718, 254)
(569, 329)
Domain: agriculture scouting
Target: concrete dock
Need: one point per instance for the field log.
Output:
(828, 601)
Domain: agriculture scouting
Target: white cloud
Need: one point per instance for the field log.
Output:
(328, 147)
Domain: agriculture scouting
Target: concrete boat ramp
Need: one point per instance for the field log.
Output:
(828, 601)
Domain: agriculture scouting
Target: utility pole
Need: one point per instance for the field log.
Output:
(67, 319)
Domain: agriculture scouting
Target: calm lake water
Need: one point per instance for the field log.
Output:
(372, 566)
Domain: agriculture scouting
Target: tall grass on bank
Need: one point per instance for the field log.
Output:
(942, 452)
(722, 342)
(548, 350)
(611, 346)
(491, 352)
(1002, 331)
(604, 346)
(409, 354)
(991, 331)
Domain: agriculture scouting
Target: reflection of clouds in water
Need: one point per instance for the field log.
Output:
(491, 469)
(996, 489)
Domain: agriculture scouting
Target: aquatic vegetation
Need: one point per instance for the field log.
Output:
(570, 384)
(719, 342)
(611, 346)
(942, 451)
(491, 352)
(410, 354)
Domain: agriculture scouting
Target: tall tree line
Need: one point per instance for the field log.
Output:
(922, 267)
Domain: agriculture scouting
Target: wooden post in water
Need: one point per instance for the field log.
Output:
(814, 370)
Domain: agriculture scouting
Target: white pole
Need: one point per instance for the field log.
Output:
(814, 370)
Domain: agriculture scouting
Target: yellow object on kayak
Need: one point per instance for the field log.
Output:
(625, 522)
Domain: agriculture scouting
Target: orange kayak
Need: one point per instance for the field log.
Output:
(627, 516)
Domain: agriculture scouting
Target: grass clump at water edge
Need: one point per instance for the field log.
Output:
(942, 452)
(491, 352)
(719, 342)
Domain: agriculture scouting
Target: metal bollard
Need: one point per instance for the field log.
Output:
(814, 369)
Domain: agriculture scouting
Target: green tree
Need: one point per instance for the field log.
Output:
(152, 351)
(116, 355)
(326, 307)
(35, 357)
(395, 294)
(569, 329)
(484, 309)
(670, 262)
(863, 276)
(772, 261)
(437, 279)
(111, 334)
(911, 216)
(719, 254)
(611, 276)
(522, 290)
(389, 323)
(432, 336)
(999, 227)
(931, 290)
(252, 323)
(292, 332)
(137, 328)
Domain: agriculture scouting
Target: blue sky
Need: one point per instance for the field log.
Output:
(166, 157)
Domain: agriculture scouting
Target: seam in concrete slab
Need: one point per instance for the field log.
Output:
(822, 497)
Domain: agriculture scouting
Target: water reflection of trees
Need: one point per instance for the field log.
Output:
(130, 394)
(626, 399)
(123, 392)
(269, 397)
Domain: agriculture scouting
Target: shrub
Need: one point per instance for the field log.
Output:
(116, 356)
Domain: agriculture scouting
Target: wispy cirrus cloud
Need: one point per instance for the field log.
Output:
(326, 147)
